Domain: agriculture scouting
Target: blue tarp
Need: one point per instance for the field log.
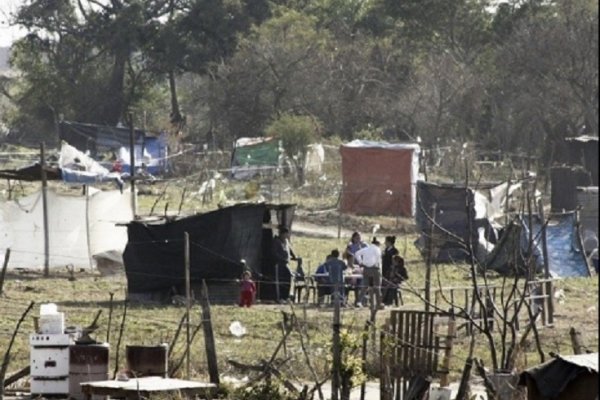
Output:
(90, 178)
(565, 257)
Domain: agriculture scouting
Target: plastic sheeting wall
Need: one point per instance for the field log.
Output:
(22, 228)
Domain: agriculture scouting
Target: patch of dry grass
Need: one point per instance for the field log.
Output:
(153, 324)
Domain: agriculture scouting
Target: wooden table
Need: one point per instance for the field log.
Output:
(135, 387)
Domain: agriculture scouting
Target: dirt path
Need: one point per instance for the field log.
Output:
(318, 231)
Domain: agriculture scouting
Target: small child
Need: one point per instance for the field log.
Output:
(247, 290)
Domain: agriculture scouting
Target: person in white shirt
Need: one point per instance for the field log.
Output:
(369, 259)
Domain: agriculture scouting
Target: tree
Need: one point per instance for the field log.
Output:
(197, 34)
(275, 70)
(546, 81)
(82, 61)
(296, 134)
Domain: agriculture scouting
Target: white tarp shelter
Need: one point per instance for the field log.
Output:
(79, 227)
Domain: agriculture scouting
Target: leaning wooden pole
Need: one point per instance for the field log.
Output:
(4, 268)
(209, 338)
(121, 329)
(6, 359)
(132, 165)
(45, 209)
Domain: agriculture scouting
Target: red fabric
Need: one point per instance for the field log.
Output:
(369, 174)
(247, 290)
(246, 298)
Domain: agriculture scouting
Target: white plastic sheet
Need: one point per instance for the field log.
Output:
(22, 228)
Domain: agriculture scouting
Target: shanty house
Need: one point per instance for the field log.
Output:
(222, 243)
(101, 140)
(252, 156)
(573, 377)
(379, 178)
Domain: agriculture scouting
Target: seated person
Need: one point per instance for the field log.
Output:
(324, 286)
(336, 268)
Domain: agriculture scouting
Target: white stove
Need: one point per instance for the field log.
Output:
(49, 361)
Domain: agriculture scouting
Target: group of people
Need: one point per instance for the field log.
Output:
(371, 270)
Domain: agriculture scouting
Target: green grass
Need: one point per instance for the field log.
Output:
(153, 324)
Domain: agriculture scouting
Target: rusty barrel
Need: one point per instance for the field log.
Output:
(148, 360)
(87, 363)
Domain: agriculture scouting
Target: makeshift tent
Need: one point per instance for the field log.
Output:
(219, 241)
(508, 255)
(100, 140)
(565, 257)
(79, 227)
(97, 139)
(451, 228)
(252, 156)
(379, 178)
(78, 168)
(573, 377)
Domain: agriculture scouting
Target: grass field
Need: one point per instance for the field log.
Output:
(153, 324)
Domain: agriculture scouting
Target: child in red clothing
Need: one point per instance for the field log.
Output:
(247, 290)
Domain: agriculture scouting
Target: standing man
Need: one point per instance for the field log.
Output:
(370, 260)
(388, 253)
(282, 253)
(356, 284)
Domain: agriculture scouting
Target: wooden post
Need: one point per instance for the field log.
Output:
(86, 190)
(4, 268)
(339, 219)
(188, 301)
(121, 329)
(337, 351)
(209, 339)
(110, 312)
(507, 201)
(45, 209)
(448, 351)
(580, 242)
(132, 165)
(429, 259)
(547, 284)
(576, 341)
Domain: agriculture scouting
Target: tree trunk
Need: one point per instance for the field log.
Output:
(114, 102)
(176, 117)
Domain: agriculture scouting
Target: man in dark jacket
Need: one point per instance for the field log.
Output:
(283, 254)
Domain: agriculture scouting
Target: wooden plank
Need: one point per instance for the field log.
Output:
(418, 366)
(413, 341)
(149, 384)
(436, 349)
(448, 352)
(430, 344)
